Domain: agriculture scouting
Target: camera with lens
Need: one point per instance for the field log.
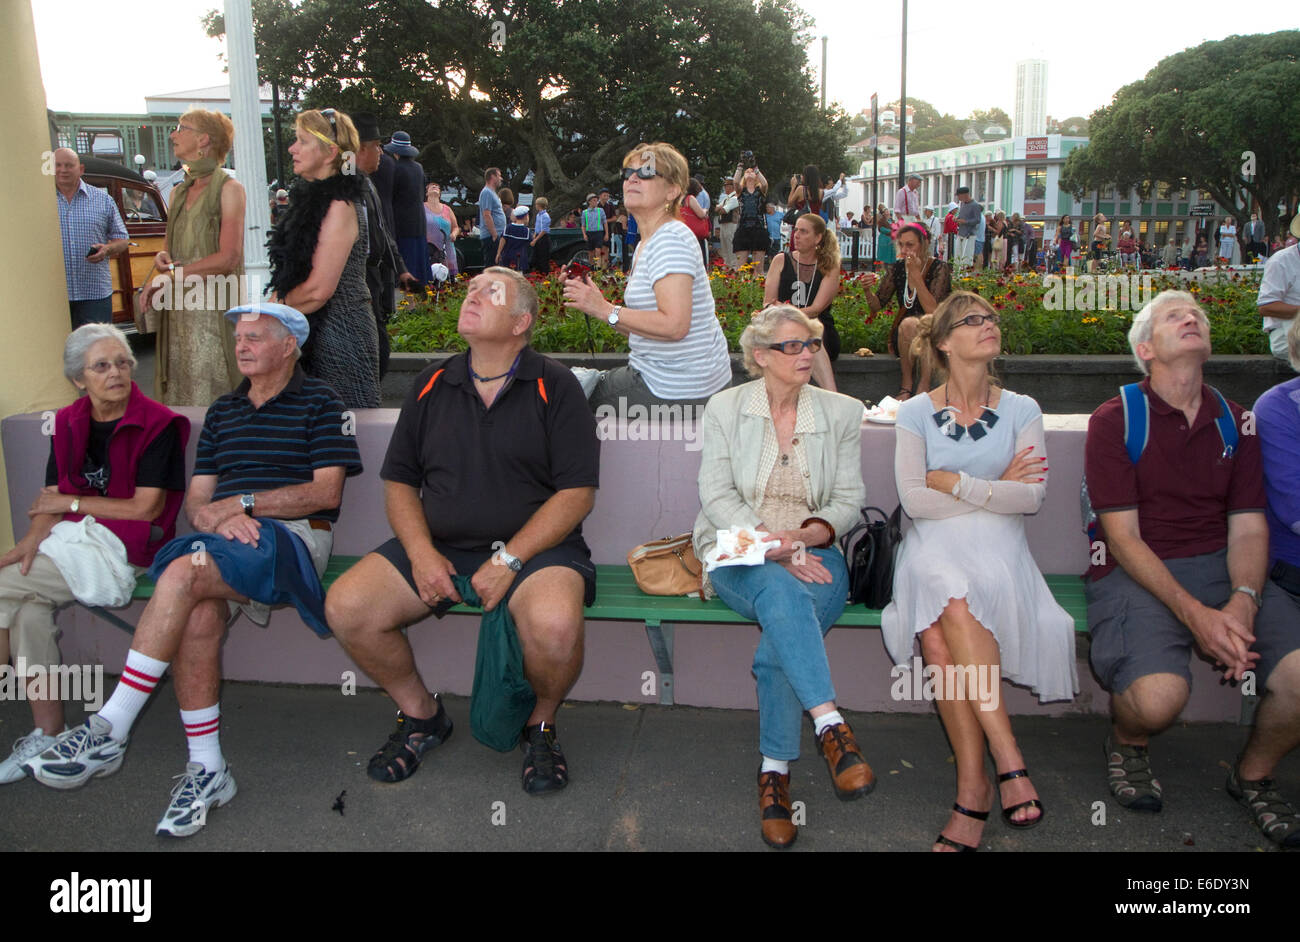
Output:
(747, 159)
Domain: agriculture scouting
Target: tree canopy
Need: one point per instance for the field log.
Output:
(562, 89)
(1191, 120)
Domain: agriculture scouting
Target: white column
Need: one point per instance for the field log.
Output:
(250, 158)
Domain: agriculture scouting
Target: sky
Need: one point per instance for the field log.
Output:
(961, 55)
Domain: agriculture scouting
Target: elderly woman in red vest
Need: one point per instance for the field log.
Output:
(116, 456)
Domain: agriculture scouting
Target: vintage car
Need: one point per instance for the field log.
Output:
(145, 215)
(567, 245)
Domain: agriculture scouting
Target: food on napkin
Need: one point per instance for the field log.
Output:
(887, 408)
(738, 546)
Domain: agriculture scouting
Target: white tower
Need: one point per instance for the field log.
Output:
(1030, 117)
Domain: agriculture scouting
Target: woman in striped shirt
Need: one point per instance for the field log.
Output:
(678, 351)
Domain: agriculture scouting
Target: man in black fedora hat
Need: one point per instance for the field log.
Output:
(408, 205)
(384, 265)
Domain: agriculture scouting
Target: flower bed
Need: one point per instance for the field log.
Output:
(429, 323)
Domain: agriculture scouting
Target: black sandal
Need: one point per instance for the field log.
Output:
(400, 756)
(545, 769)
(957, 845)
(1031, 803)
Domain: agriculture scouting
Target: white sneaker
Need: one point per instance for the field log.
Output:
(195, 794)
(27, 747)
(79, 755)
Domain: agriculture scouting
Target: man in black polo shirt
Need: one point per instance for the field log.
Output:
(492, 467)
(268, 479)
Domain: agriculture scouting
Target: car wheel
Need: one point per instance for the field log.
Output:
(579, 253)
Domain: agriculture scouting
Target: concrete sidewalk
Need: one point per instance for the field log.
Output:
(643, 778)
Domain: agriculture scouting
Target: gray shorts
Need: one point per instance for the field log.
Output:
(624, 383)
(1134, 634)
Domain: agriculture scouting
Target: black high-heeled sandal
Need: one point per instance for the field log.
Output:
(957, 845)
(1031, 803)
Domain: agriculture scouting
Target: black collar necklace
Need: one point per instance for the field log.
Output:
(946, 419)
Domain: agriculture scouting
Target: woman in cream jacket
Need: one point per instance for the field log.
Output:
(783, 458)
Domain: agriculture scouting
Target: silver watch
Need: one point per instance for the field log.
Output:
(613, 316)
(1251, 594)
(247, 501)
(513, 563)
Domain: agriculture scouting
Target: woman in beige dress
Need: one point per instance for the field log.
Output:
(201, 266)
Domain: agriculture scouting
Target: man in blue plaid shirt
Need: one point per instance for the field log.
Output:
(93, 232)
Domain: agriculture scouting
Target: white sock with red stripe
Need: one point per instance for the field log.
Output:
(140, 675)
(203, 734)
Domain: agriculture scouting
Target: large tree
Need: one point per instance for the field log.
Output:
(1191, 119)
(570, 86)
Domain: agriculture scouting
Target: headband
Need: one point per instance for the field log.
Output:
(900, 227)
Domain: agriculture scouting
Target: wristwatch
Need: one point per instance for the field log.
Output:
(513, 563)
(76, 503)
(613, 316)
(247, 501)
(1251, 594)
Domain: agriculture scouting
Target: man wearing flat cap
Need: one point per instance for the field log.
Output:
(408, 205)
(268, 481)
(907, 201)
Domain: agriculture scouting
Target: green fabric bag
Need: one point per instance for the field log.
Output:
(502, 698)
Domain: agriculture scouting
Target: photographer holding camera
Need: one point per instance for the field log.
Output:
(750, 242)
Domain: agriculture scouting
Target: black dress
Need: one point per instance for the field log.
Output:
(790, 290)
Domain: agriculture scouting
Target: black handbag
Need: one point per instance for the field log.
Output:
(871, 557)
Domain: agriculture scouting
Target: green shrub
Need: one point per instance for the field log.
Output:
(428, 323)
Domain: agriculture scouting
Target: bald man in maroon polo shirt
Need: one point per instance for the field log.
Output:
(1184, 564)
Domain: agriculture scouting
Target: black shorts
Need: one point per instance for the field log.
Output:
(572, 553)
(750, 239)
(830, 336)
(595, 240)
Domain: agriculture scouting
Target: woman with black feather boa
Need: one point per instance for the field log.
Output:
(318, 258)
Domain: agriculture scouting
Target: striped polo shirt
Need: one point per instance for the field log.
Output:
(280, 444)
(90, 218)
(698, 365)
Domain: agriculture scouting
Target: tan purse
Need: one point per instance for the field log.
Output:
(667, 567)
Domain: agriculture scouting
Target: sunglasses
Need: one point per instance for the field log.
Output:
(329, 114)
(645, 172)
(795, 347)
(975, 320)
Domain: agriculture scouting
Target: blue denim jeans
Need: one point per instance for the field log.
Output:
(790, 664)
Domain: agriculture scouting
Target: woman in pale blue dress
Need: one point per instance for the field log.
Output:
(969, 464)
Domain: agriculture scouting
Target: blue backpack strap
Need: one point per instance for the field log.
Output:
(1226, 424)
(1137, 420)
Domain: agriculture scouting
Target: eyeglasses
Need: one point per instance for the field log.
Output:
(644, 172)
(975, 320)
(100, 367)
(795, 347)
(185, 127)
(329, 114)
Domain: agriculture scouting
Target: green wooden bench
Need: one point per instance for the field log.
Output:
(619, 599)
